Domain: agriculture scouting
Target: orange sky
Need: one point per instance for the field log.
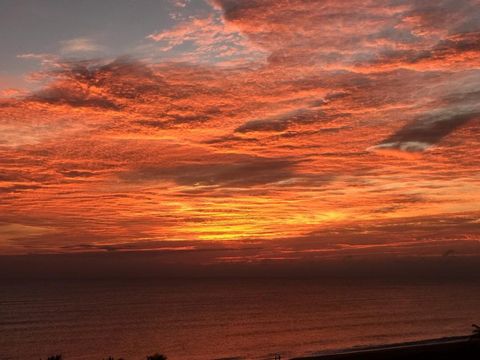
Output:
(300, 129)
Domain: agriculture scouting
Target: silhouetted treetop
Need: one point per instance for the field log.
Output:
(157, 357)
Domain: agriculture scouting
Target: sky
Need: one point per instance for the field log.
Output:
(240, 131)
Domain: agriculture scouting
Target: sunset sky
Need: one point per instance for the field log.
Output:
(240, 130)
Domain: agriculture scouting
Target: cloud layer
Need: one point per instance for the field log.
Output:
(288, 130)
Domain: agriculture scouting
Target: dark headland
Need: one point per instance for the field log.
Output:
(452, 348)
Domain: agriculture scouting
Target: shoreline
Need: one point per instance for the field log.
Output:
(455, 347)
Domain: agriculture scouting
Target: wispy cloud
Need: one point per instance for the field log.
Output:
(206, 39)
(80, 45)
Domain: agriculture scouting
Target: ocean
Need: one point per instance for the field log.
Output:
(223, 318)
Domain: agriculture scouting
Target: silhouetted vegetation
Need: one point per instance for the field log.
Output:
(151, 357)
(476, 330)
(157, 357)
(55, 357)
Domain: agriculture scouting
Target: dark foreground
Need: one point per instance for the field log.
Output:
(461, 347)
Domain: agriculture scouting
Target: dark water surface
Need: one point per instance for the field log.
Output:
(210, 319)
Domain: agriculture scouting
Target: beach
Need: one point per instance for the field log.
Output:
(460, 347)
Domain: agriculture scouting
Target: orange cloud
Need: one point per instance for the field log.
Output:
(292, 154)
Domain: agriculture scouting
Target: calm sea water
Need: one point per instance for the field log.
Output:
(211, 319)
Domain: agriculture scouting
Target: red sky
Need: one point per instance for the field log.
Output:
(276, 129)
